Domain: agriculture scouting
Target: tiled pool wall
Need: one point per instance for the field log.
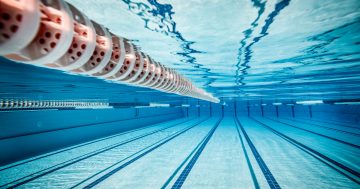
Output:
(36, 132)
(330, 112)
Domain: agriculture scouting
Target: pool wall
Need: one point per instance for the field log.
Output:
(37, 132)
(330, 112)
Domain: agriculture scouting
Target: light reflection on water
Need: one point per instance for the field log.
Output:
(250, 47)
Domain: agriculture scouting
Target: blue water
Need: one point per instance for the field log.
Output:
(167, 154)
(248, 53)
(250, 49)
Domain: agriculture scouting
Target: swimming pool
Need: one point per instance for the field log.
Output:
(287, 74)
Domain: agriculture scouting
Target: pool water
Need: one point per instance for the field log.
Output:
(201, 152)
(287, 73)
(250, 48)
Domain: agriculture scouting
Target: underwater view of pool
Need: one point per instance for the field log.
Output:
(228, 94)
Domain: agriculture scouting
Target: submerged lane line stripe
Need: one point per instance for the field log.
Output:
(325, 136)
(83, 157)
(316, 125)
(315, 153)
(253, 176)
(122, 160)
(266, 171)
(102, 178)
(181, 179)
(56, 167)
(184, 162)
(83, 125)
(132, 155)
(330, 128)
(86, 143)
(342, 124)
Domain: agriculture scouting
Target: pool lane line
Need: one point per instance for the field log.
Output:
(321, 157)
(5, 167)
(184, 162)
(181, 165)
(252, 173)
(341, 124)
(59, 166)
(264, 168)
(167, 139)
(181, 179)
(322, 135)
(132, 155)
(328, 128)
(79, 126)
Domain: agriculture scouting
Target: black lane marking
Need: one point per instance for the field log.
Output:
(328, 128)
(84, 144)
(253, 176)
(184, 162)
(107, 175)
(323, 158)
(266, 171)
(41, 173)
(342, 124)
(325, 136)
(181, 179)
(78, 126)
(92, 176)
